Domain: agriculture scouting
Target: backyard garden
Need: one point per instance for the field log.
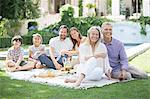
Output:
(10, 24)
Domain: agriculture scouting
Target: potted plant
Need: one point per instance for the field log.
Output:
(91, 9)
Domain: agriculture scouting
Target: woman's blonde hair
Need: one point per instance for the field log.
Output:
(88, 35)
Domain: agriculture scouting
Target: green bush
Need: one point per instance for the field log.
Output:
(66, 12)
(27, 40)
(5, 42)
(83, 24)
(3, 30)
(13, 27)
(45, 32)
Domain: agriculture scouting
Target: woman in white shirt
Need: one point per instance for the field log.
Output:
(93, 59)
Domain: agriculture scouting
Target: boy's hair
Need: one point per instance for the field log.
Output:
(17, 37)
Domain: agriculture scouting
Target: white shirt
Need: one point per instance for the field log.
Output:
(85, 50)
(58, 45)
(37, 50)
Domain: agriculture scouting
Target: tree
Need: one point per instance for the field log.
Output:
(12, 12)
(19, 9)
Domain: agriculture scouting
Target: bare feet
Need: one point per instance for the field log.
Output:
(69, 81)
(77, 84)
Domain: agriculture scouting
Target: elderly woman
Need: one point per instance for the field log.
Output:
(93, 59)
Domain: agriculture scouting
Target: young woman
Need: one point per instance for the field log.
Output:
(36, 50)
(76, 38)
(93, 59)
(14, 59)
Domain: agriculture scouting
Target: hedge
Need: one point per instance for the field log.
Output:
(5, 42)
(27, 40)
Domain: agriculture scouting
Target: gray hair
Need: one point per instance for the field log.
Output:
(106, 23)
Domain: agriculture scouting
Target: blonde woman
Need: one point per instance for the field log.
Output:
(36, 50)
(14, 59)
(93, 59)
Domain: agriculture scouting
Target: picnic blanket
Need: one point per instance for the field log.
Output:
(58, 80)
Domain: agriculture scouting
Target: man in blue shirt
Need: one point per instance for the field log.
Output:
(118, 58)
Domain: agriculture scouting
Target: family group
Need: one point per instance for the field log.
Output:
(98, 53)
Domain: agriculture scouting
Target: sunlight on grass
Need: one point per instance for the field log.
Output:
(16, 85)
(142, 61)
(17, 89)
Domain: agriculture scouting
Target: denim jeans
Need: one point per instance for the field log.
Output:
(45, 60)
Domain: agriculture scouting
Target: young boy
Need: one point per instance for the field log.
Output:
(14, 59)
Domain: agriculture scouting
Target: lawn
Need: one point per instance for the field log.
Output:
(142, 61)
(137, 89)
(15, 89)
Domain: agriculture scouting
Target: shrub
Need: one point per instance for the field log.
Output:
(3, 30)
(83, 24)
(66, 12)
(5, 42)
(27, 40)
(13, 27)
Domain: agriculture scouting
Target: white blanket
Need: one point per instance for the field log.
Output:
(58, 80)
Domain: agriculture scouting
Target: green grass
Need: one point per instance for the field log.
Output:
(137, 89)
(15, 89)
(142, 61)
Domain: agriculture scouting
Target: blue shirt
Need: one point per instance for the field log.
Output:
(117, 55)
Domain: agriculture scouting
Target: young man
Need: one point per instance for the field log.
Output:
(118, 58)
(59, 49)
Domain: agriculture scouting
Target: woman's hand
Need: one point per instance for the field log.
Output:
(63, 52)
(88, 57)
(100, 55)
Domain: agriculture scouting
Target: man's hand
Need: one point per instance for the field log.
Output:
(109, 75)
(122, 75)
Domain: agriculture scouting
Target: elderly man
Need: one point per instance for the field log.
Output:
(59, 49)
(118, 58)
